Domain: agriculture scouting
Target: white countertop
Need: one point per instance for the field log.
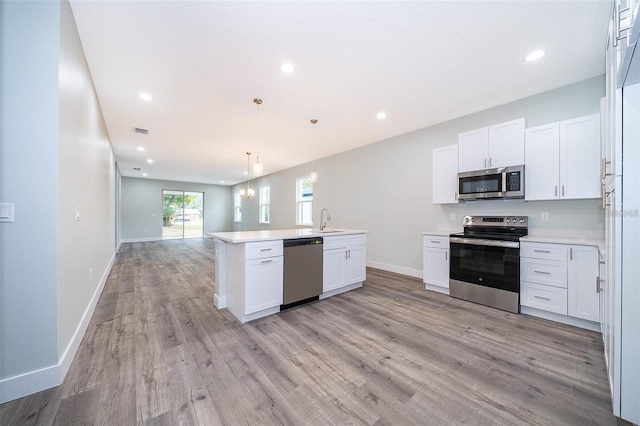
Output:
(559, 239)
(280, 234)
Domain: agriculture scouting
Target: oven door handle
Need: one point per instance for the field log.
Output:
(481, 242)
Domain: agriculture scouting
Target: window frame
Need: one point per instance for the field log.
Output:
(264, 206)
(301, 201)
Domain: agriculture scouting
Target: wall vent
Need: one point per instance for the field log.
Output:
(141, 130)
(136, 168)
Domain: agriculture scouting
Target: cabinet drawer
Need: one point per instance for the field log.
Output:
(548, 272)
(436, 241)
(544, 297)
(262, 249)
(343, 241)
(543, 251)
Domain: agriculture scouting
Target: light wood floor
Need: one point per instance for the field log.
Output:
(158, 352)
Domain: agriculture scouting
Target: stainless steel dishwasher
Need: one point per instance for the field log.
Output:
(302, 271)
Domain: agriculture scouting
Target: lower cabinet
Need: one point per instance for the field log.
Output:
(561, 279)
(344, 261)
(263, 285)
(435, 262)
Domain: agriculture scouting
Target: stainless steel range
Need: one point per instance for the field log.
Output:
(485, 261)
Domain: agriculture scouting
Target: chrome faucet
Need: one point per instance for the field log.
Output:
(324, 224)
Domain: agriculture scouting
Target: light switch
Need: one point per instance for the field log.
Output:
(77, 213)
(6, 212)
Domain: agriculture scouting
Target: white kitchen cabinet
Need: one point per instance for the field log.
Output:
(343, 264)
(254, 278)
(445, 175)
(263, 287)
(499, 145)
(583, 283)
(562, 160)
(435, 262)
(580, 158)
(560, 279)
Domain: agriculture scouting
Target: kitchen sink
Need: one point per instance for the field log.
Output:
(330, 231)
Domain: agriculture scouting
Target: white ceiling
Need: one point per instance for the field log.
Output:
(422, 62)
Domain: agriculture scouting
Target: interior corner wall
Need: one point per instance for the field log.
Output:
(141, 206)
(86, 187)
(29, 172)
(386, 187)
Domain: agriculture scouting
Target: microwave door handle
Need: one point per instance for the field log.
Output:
(482, 242)
(504, 182)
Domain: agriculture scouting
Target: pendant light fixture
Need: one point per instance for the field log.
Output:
(249, 193)
(257, 167)
(314, 174)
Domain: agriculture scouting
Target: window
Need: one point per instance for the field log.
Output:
(237, 209)
(304, 201)
(265, 204)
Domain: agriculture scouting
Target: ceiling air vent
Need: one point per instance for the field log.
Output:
(141, 130)
(136, 168)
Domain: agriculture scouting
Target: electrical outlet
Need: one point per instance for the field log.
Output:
(452, 216)
(544, 216)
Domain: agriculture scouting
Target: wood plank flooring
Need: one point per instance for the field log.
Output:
(157, 352)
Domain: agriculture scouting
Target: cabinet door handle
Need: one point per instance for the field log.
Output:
(485, 163)
(349, 253)
(570, 253)
(435, 242)
(542, 272)
(266, 249)
(541, 251)
(598, 287)
(563, 190)
(446, 255)
(489, 161)
(555, 192)
(267, 261)
(543, 298)
(345, 254)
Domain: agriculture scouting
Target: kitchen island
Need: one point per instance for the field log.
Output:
(249, 267)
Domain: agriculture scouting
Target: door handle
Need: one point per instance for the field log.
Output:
(446, 255)
(598, 286)
(570, 253)
(555, 192)
(563, 190)
(542, 272)
(541, 251)
(267, 261)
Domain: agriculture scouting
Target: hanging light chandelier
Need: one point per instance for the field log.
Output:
(314, 173)
(257, 167)
(249, 193)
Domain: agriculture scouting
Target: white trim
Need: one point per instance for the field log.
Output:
(45, 378)
(341, 290)
(564, 319)
(417, 273)
(29, 383)
(140, 240)
(72, 348)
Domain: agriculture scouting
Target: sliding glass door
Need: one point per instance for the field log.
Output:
(182, 214)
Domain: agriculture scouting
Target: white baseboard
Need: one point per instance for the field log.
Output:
(28, 383)
(140, 240)
(38, 380)
(576, 322)
(69, 353)
(417, 273)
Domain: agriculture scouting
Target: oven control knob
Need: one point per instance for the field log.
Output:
(506, 220)
(514, 220)
(521, 220)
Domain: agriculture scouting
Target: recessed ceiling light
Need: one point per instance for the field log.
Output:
(245, 173)
(535, 55)
(149, 161)
(381, 115)
(140, 148)
(144, 174)
(145, 96)
(221, 181)
(287, 68)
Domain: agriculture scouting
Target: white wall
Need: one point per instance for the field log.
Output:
(142, 205)
(86, 179)
(30, 48)
(56, 155)
(386, 187)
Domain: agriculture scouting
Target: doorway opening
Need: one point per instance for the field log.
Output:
(182, 214)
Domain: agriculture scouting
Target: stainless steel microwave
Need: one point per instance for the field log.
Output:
(501, 182)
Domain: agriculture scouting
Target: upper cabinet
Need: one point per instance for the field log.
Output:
(563, 160)
(445, 175)
(499, 145)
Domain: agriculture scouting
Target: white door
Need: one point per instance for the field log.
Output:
(333, 269)
(580, 157)
(436, 266)
(263, 284)
(445, 175)
(583, 298)
(355, 270)
(472, 150)
(506, 144)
